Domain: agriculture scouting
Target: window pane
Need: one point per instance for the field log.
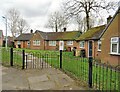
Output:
(99, 47)
(69, 42)
(28, 43)
(82, 43)
(18, 42)
(52, 43)
(114, 48)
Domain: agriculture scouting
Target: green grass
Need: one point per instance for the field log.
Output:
(5, 56)
(103, 78)
(17, 57)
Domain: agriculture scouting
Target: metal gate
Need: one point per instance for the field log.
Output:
(39, 60)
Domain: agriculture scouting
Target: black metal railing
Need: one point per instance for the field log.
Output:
(95, 74)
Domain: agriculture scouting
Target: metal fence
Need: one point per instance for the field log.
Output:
(96, 74)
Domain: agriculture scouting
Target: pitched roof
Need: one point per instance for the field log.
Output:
(24, 37)
(118, 11)
(92, 34)
(68, 35)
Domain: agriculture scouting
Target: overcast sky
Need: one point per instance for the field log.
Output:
(34, 11)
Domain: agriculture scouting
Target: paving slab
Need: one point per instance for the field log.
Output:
(46, 85)
(37, 79)
(40, 78)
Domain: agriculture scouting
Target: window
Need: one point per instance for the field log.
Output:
(28, 43)
(99, 45)
(18, 42)
(69, 42)
(52, 43)
(36, 42)
(82, 44)
(115, 45)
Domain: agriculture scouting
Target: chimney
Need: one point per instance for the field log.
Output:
(108, 19)
(31, 31)
(64, 29)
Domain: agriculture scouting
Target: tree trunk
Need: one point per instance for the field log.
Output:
(56, 29)
(20, 31)
(87, 21)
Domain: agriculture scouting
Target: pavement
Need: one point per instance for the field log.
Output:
(37, 79)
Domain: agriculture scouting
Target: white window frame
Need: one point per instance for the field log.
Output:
(115, 40)
(18, 42)
(99, 43)
(69, 42)
(81, 42)
(28, 42)
(52, 43)
(36, 42)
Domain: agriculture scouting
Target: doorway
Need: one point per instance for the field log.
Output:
(90, 49)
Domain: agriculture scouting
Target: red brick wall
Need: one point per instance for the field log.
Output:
(95, 52)
(36, 36)
(112, 31)
(47, 47)
(70, 47)
(1, 41)
(23, 44)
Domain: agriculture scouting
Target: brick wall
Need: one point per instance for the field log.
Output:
(112, 31)
(37, 37)
(1, 41)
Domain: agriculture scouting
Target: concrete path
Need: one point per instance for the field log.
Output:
(37, 79)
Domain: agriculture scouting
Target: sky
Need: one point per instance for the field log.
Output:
(35, 12)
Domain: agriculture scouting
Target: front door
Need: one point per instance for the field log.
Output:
(90, 49)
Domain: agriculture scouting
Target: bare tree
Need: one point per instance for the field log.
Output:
(22, 26)
(87, 7)
(16, 24)
(57, 21)
(13, 17)
(81, 21)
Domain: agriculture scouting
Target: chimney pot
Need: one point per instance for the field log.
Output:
(108, 19)
(64, 29)
(31, 31)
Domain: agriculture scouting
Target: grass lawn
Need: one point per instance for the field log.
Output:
(104, 78)
(17, 57)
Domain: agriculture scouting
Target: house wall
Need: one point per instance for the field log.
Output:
(37, 36)
(1, 41)
(67, 47)
(23, 44)
(47, 47)
(112, 31)
(95, 53)
(70, 47)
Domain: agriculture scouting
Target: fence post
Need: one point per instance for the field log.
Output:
(60, 59)
(90, 72)
(11, 57)
(26, 61)
(23, 53)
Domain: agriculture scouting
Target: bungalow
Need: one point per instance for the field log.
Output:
(110, 40)
(103, 42)
(1, 38)
(50, 40)
(89, 42)
(23, 41)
